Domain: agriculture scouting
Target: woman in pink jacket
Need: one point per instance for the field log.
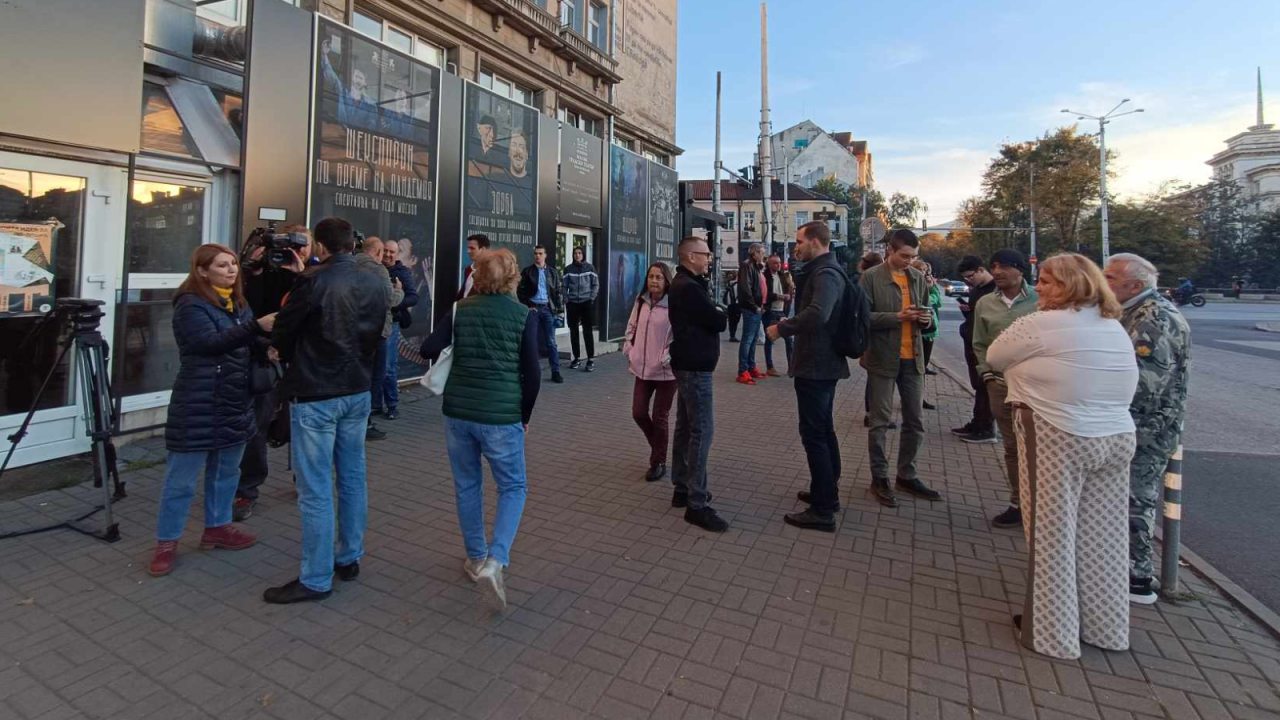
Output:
(648, 350)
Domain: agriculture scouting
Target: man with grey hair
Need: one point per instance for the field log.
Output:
(752, 294)
(1162, 346)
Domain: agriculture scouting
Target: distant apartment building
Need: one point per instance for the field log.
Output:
(744, 213)
(809, 154)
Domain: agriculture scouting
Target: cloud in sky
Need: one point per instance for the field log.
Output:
(899, 55)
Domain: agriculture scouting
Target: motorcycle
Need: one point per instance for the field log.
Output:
(1194, 299)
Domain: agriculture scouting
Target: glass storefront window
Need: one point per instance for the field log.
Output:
(40, 225)
(162, 129)
(167, 225)
(150, 351)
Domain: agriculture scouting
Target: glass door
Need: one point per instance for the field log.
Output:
(59, 223)
(568, 238)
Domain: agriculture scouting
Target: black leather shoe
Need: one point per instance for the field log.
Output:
(1010, 518)
(348, 572)
(884, 496)
(930, 372)
(657, 472)
(293, 592)
(917, 488)
(706, 518)
(373, 433)
(929, 406)
(810, 520)
(805, 497)
(556, 377)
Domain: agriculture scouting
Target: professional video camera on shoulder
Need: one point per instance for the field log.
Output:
(279, 247)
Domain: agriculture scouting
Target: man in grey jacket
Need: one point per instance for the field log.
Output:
(895, 358)
(816, 367)
(581, 285)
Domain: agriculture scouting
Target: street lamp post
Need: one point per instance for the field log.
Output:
(1103, 120)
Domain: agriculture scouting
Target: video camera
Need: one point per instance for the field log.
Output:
(280, 248)
(359, 236)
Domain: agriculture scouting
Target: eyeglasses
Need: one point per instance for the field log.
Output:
(700, 252)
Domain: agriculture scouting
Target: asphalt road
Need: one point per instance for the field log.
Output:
(1231, 471)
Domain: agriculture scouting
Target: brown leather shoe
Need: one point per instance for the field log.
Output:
(162, 561)
(772, 373)
(227, 537)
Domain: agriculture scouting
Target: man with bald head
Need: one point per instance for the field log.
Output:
(1162, 348)
(369, 259)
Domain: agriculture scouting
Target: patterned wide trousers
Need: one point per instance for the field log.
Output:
(1075, 509)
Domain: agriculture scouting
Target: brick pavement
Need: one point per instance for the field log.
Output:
(619, 609)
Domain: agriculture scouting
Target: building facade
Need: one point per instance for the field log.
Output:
(810, 154)
(180, 126)
(743, 209)
(1252, 159)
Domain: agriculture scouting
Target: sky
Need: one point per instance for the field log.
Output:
(935, 86)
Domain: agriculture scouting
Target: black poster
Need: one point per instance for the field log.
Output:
(581, 161)
(663, 203)
(628, 242)
(374, 156)
(500, 184)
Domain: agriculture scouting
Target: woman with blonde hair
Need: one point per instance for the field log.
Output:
(211, 409)
(1071, 377)
(488, 401)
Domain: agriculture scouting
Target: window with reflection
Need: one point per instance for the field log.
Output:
(40, 230)
(166, 222)
(146, 338)
(162, 129)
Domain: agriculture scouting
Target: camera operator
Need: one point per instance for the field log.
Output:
(369, 259)
(329, 332)
(265, 287)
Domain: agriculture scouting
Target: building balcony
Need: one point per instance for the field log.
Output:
(592, 59)
(529, 17)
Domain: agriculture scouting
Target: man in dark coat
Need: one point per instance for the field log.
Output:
(329, 332)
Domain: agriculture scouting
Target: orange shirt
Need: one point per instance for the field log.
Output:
(907, 350)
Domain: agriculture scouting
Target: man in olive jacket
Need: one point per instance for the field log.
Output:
(898, 296)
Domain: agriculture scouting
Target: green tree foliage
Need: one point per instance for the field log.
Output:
(1265, 270)
(1161, 227)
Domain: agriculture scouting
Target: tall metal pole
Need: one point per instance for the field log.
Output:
(786, 205)
(1172, 524)
(766, 143)
(1031, 204)
(1106, 223)
(715, 201)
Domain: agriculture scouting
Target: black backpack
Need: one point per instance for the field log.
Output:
(850, 322)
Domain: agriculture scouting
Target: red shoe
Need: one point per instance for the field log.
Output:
(227, 537)
(162, 561)
(757, 375)
(745, 378)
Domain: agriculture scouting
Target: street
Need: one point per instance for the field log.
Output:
(1230, 445)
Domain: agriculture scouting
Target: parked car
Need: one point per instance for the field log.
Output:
(953, 288)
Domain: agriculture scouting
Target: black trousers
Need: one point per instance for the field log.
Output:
(582, 314)
(816, 401)
(734, 317)
(253, 465)
(928, 351)
(379, 374)
(982, 417)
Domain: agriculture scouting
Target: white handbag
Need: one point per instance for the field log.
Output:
(438, 375)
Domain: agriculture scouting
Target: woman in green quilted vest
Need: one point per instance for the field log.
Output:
(488, 400)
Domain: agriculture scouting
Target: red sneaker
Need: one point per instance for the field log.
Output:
(227, 537)
(745, 378)
(757, 374)
(162, 561)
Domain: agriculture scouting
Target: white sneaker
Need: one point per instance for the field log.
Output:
(491, 585)
(472, 568)
(1141, 592)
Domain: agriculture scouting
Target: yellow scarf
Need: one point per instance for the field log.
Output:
(225, 294)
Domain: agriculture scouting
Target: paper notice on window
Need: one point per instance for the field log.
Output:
(26, 266)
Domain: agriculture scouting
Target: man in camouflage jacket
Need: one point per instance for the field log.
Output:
(1162, 346)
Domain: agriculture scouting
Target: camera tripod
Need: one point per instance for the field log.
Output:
(91, 370)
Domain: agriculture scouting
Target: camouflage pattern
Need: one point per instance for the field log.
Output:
(1162, 345)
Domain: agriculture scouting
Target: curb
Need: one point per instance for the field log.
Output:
(1271, 327)
(1250, 604)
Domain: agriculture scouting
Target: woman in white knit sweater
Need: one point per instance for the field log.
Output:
(1071, 373)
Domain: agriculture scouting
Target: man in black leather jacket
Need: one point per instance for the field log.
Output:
(329, 331)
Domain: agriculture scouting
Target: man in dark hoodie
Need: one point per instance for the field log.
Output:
(581, 285)
(696, 323)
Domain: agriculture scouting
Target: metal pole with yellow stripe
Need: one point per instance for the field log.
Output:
(1172, 523)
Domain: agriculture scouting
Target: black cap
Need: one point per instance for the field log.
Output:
(1011, 258)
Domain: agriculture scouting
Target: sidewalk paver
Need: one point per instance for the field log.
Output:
(619, 609)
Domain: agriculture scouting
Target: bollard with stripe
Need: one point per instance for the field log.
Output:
(1172, 523)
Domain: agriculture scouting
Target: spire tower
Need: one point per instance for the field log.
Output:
(1262, 123)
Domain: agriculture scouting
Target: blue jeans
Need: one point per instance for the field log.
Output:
(695, 426)
(391, 381)
(329, 434)
(221, 476)
(771, 318)
(547, 336)
(503, 447)
(747, 350)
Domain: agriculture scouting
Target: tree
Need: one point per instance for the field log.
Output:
(1225, 229)
(1265, 249)
(904, 210)
(1161, 227)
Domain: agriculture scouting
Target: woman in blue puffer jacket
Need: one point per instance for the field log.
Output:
(211, 409)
